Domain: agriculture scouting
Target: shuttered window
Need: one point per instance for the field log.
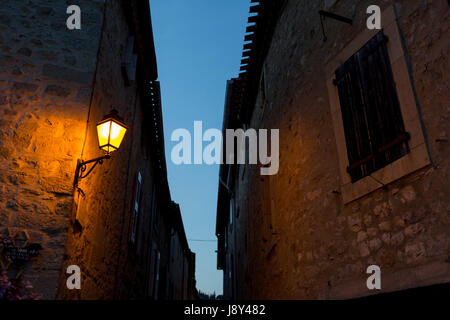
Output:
(136, 210)
(374, 131)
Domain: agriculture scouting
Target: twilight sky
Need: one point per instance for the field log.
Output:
(198, 47)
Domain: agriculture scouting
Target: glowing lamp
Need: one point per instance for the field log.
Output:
(111, 131)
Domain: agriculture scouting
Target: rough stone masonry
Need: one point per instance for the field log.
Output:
(46, 76)
(294, 237)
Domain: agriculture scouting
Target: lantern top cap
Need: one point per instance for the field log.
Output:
(114, 115)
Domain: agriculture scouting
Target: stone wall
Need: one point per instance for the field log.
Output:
(55, 85)
(104, 208)
(179, 268)
(295, 238)
(46, 73)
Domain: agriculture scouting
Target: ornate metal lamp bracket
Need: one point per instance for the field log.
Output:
(82, 167)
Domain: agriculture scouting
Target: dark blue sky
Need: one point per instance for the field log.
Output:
(199, 47)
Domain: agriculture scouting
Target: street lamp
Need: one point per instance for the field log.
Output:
(110, 131)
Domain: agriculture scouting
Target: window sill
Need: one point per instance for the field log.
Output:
(413, 161)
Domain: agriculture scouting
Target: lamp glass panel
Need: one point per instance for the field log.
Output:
(103, 134)
(117, 134)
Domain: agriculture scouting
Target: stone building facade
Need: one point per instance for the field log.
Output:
(312, 230)
(116, 225)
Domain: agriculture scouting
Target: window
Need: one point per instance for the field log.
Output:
(172, 244)
(230, 272)
(136, 204)
(374, 131)
(376, 117)
(153, 279)
(129, 62)
(155, 210)
(156, 274)
(226, 239)
(231, 211)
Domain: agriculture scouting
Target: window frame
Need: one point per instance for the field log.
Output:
(418, 157)
(155, 211)
(136, 207)
(373, 146)
(156, 275)
(231, 212)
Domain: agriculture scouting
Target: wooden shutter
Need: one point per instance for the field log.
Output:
(374, 130)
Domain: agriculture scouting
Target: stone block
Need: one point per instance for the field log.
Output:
(24, 88)
(70, 60)
(354, 222)
(45, 11)
(414, 252)
(83, 95)
(385, 226)
(414, 229)
(25, 52)
(12, 204)
(367, 220)
(361, 236)
(386, 237)
(363, 250)
(64, 208)
(57, 185)
(397, 239)
(408, 194)
(3, 100)
(8, 61)
(371, 232)
(58, 91)
(383, 210)
(67, 74)
(375, 244)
